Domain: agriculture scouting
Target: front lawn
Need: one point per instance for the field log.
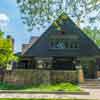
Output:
(67, 87)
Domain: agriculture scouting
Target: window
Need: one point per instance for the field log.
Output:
(60, 44)
(63, 40)
(74, 44)
(98, 67)
(63, 44)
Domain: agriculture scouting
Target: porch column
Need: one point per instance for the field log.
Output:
(80, 74)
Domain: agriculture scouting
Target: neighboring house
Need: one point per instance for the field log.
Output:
(63, 49)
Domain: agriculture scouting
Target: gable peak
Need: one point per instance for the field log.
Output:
(60, 20)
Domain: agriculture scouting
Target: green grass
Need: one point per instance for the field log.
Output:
(55, 87)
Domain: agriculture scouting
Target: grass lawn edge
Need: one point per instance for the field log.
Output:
(45, 92)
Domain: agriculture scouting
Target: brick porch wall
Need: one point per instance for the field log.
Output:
(39, 76)
(98, 74)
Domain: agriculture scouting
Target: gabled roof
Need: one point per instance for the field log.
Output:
(41, 47)
(32, 41)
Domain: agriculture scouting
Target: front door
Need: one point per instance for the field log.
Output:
(90, 70)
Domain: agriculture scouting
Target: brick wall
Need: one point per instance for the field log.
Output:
(39, 76)
(98, 74)
(63, 76)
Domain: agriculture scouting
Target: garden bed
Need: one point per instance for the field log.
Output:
(65, 87)
(62, 88)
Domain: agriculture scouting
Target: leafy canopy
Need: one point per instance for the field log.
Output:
(1, 33)
(94, 34)
(6, 52)
(39, 12)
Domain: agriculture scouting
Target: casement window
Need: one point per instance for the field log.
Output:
(98, 67)
(64, 44)
(63, 40)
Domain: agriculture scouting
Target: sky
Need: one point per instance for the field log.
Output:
(11, 23)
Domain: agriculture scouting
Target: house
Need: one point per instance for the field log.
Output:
(62, 48)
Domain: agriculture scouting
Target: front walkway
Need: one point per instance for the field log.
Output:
(94, 94)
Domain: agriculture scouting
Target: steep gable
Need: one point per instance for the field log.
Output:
(69, 32)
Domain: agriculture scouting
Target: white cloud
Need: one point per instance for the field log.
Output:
(4, 20)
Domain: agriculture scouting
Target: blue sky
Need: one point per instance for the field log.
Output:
(12, 23)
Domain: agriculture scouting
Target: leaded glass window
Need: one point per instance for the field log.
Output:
(60, 44)
(63, 44)
(63, 40)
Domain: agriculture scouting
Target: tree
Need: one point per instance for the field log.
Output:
(39, 12)
(1, 33)
(94, 34)
(6, 52)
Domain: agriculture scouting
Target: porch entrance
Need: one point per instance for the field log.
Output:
(90, 70)
(63, 63)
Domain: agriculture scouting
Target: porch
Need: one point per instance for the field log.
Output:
(86, 67)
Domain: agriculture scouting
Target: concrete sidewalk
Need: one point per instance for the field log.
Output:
(94, 94)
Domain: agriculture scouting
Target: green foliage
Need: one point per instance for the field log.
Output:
(38, 12)
(94, 34)
(6, 52)
(1, 33)
(43, 87)
(60, 87)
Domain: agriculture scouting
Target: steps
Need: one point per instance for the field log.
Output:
(91, 83)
